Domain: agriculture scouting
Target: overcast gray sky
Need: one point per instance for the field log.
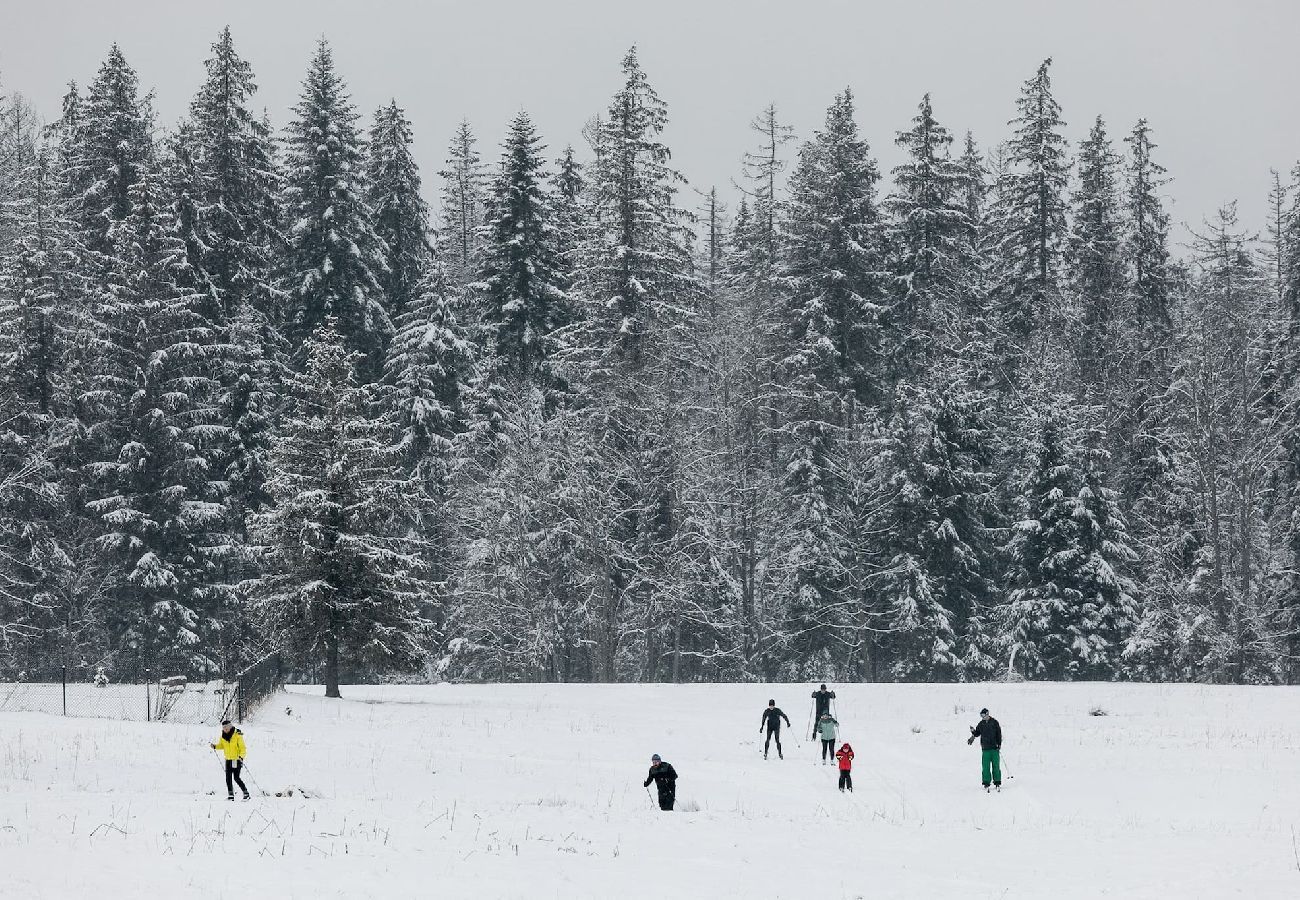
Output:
(1215, 79)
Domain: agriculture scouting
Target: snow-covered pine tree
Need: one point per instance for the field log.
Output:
(153, 491)
(829, 364)
(237, 186)
(1071, 607)
(930, 231)
(401, 216)
(110, 133)
(334, 258)
(568, 191)
(423, 397)
(40, 292)
(522, 276)
(464, 204)
(342, 582)
(19, 127)
(636, 279)
(934, 535)
(1097, 267)
(1031, 223)
(1150, 311)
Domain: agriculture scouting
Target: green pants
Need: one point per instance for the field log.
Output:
(991, 762)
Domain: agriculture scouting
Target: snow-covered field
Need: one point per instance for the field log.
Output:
(534, 791)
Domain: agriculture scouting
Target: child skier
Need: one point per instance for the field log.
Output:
(231, 743)
(828, 730)
(845, 757)
(772, 717)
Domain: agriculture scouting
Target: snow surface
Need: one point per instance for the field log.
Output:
(534, 791)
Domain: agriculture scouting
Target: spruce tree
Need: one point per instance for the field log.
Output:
(522, 278)
(1097, 265)
(639, 293)
(236, 186)
(935, 534)
(1071, 608)
(341, 582)
(828, 367)
(152, 487)
(464, 201)
(401, 215)
(1031, 224)
(929, 233)
(111, 131)
(334, 258)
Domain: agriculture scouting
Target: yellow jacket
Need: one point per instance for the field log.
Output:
(233, 746)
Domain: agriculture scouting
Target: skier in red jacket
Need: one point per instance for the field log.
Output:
(845, 757)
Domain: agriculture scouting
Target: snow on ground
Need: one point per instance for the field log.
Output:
(534, 791)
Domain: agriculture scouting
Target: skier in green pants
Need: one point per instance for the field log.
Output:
(990, 734)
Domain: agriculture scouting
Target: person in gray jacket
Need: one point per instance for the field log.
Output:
(828, 730)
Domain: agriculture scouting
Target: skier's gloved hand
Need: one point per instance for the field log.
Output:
(970, 740)
(213, 746)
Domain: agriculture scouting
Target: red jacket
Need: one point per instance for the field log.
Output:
(845, 756)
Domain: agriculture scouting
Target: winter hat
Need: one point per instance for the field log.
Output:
(656, 758)
(984, 711)
(771, 703)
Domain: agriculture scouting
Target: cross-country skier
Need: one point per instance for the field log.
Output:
(828, 730)
(990, 734)
(845, 757)
(822, 699)
(772, 717)
(665, 778)
(231, 743)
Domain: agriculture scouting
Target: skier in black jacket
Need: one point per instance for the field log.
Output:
(665, 778)
(990, 734)
(772, 717)
(822, 699)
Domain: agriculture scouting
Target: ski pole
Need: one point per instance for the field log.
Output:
(254, 780)
(647, 795)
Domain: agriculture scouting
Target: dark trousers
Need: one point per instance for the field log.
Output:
(828, 749)
(846, 779)
(666, 799)
(232, 772)
(773, 733)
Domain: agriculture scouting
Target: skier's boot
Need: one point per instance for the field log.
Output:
(998, 787)
(231, 798)
(986, 789)
(246, 796)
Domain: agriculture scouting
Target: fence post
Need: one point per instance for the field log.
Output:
(148, 700)
(65, 690)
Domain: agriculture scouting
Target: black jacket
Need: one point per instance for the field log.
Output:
(989, 732)
(823, 699)
(664, 776)
(772, 717)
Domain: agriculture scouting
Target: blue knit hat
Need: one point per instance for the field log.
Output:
(656, 758)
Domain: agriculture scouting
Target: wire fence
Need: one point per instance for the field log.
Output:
(76, 692)
(255, 684)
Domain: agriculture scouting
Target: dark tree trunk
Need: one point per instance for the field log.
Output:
(332, 667)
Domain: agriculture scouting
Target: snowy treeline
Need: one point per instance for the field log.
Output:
(966, 417)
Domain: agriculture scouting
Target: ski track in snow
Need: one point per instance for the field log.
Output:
(534, 791)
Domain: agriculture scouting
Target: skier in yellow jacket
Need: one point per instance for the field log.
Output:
(231, 743)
